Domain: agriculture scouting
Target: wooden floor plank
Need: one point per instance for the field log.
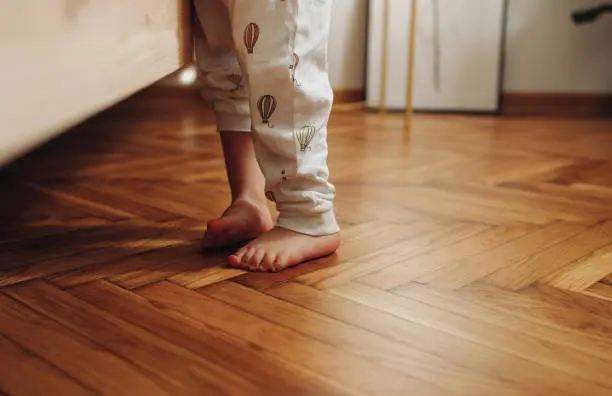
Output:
(129, 267)
(438, 203)
(511, 372)
(566, 325)
(474, 328)
(574, 301)
(271, 374)
(181, 198)
(179, 370)
(186, 265)
(22, 363)
(568, 352)
(371, 346)
(552, 258)
(288, 344)
(78, 356)
(480, 266)
(600, 290)
(81, 192)
(584, 272)
(40, 213)
(206, 276)
(528, 203)
(421, 265)
(58, 253)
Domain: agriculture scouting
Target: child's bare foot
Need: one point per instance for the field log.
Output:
(245, 219)
(281, 248)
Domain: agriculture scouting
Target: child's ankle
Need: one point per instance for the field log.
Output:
(250, 198)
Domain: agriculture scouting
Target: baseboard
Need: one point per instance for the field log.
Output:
(557, 104)
(349, 95)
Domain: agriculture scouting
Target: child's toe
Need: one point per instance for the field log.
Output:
(268, 262)
(282, 262)
(248, 257)
(256, 262)
(238, 259)
(234, 261)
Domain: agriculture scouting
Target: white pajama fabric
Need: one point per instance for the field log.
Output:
(263, 67)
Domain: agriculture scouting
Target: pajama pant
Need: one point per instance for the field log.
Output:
(263, 66)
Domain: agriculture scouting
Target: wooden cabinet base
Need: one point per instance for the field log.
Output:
(65, 60)
(557, 105)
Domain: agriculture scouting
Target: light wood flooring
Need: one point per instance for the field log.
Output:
(477, 260)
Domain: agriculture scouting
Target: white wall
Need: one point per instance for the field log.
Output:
(347, 44)
(547, 53)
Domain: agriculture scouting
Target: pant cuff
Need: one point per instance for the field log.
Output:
(317, 225)
(232, 122)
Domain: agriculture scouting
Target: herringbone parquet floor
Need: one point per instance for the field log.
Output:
(476, 260)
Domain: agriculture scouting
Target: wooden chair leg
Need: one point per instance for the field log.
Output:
(410, 75)
(382, 102)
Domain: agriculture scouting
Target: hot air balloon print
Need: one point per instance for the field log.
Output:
(235, 79)
(296, 61)
(305, 136)
(266, 106)
(270, 195)
(251, 34)
(293, 68)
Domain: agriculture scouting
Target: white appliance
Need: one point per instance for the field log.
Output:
(458, 54)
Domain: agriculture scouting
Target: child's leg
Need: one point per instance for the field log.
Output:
(282, 46)
(225, 89)
(248, 215)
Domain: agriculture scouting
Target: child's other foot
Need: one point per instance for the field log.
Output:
(281, 248)
(243, 220)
